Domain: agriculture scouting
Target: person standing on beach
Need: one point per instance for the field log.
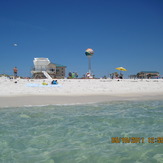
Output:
(15, 71)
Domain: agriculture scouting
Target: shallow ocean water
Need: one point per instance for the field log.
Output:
(82, 133)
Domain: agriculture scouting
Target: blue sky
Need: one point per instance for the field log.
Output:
(126, 33)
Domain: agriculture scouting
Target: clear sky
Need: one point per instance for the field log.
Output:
(126, 33)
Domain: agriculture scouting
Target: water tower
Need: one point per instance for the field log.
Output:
(89, 53)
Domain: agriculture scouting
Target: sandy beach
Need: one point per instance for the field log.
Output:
(24, 92)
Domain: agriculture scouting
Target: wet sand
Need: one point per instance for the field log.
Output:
(19, 101)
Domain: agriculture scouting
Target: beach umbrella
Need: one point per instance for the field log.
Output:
(121, 68)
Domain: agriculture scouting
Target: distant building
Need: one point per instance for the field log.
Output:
(44, 64)
(148, 74)
(60, 71)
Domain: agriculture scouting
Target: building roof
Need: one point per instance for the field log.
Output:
(59, 65)
(154, 72)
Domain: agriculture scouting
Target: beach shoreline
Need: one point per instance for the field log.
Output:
(42, 100)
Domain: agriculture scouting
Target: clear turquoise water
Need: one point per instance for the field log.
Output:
(81, 134)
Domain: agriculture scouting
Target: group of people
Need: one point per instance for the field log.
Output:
(72, 75)
(116, 76)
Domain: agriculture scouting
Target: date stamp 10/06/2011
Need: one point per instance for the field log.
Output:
(136, 140)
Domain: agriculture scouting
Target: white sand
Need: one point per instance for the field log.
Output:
(74, 91)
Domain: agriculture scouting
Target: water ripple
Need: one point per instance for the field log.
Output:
(82, 133)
